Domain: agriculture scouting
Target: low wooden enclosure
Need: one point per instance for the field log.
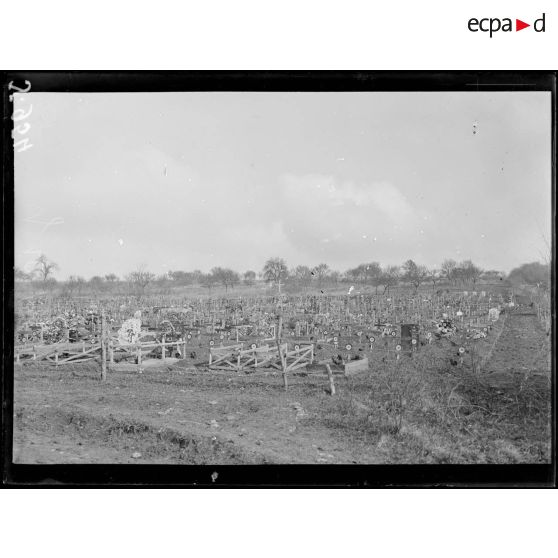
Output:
(236, 358)
(73, 353)
(57, 353)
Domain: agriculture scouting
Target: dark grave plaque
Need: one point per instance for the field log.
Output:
(409, 333)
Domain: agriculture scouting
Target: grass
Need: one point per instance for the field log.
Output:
(421, 410)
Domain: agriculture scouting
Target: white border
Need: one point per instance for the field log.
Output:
(286, 34)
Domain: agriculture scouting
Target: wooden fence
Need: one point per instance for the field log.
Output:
(63, 353)
(236, 358)
(57, 353)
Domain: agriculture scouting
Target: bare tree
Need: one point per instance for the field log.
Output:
(44, 267)
(302, 275)
(275, 271)
(226, 276)
(434, 276)
(390, 277)
(140, 278)
(414, 274)
(470, 272)
(448, 269)
(320, 272)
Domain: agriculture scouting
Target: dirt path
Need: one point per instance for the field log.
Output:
(169, 417)
(522, 348)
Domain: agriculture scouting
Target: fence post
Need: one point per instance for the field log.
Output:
(330, 377)
(279, 348)
(111, 352)
(138, 353)
(163, 349)
(103, 349)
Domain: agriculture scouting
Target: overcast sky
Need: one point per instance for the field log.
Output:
(196, 180)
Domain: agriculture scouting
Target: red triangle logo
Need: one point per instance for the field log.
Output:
(519, 25)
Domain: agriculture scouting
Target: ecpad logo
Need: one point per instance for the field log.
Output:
(493, 25)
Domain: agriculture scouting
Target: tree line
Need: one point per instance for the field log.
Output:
(373, 274)
(277, 273)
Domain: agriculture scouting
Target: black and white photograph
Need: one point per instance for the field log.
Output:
(281, 275)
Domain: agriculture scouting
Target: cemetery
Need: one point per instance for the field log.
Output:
(280, 373)
(255, 332)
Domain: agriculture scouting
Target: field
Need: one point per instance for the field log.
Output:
(429, 404)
